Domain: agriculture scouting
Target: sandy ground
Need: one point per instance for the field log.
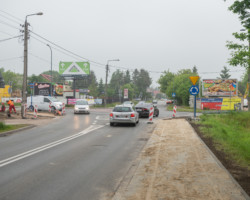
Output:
(176, 164)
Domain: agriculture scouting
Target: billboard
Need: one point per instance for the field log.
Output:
(74, 68)
(125, 93)
(58, 89)
(42, 89)
(219, 87)
(225, 103)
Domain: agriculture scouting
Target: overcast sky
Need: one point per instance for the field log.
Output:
(155, 35)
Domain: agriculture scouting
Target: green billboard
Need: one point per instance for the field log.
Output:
(74, 68)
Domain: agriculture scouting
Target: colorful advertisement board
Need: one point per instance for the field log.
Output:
(225, 103)
(220, 87)
(43, 89)
(125, 93)
(58, 89)
(74, 68)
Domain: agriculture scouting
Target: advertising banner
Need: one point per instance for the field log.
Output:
(43, 89)
(58, 89)
(74, 68)
(225, 103)
(220, 87)
(125, 93)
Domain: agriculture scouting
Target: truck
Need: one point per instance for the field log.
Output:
(44, 103)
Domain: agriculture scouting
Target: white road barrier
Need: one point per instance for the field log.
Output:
(151, 114)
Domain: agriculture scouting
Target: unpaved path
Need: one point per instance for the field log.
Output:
(175, 164)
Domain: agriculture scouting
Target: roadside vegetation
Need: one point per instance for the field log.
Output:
(231, 134)
(4, 127)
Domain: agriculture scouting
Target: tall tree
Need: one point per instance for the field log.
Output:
(240, 53)
(101, 88)
(127, 78)
(224, 73)
(195, 70)
(165, 80)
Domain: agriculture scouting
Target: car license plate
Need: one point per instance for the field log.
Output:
(138, 109)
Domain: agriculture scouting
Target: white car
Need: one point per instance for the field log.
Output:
(81, 106)
(123, 114)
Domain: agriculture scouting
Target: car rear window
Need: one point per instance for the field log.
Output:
(122, 109)
(81, 103)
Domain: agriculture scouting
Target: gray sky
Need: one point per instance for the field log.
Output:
(155, 35)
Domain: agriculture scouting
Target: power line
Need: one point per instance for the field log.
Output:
(13, 58)
(6, 33)
(9, 19)
(3, 22)
(12, 16)
(10, 38)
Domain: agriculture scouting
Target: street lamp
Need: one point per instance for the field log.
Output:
(25, 64)
(51, 90)
(106, 81)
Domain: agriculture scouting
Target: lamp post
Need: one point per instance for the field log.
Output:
(25, 64)
(51, 80)
(106, 81)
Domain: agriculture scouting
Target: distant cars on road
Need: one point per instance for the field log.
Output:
(169, 101)
(123, 114)
(144, 109)
(81, 106)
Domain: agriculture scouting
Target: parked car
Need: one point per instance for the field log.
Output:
(169, 101)
(128, 103)
(144, 109)
(43, 103)
(155, 102)
(124, 114)
(81, 106)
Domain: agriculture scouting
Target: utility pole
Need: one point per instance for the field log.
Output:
(106, 81)
(25, 61)
(25, 65)
(106, 85)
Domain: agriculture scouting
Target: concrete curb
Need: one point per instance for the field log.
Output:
(3, 134)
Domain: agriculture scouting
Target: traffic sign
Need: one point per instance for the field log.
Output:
(194, 90)
(173, 94)
(194, 79)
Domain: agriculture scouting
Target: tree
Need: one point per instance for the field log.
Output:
(127, 78)
(116, 82)
(224, 73)
(240, 53)
(101, 88)
(165, 81)
(195, 70)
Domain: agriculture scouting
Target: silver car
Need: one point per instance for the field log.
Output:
(81, 106)
(123, 114)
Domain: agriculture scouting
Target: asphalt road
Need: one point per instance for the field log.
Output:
(76, 157)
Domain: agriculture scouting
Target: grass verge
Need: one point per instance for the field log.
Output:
(182, 108)
(5, 128)
(231, 134)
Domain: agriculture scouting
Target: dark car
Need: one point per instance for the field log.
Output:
(144, 109)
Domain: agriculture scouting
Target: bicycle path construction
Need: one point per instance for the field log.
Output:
(176, 164)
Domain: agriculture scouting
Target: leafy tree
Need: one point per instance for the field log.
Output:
(195, 70)
(101, 88)
(116, 82)
(127, 78)
(224, 73)
(240, 53)
(165, 80)
(181, 85)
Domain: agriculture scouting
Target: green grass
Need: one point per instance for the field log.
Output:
(231, 133)
(182, 108)
(4, 127)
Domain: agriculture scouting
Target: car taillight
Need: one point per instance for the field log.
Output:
(111, 114)
(132, 115)
(145, 109)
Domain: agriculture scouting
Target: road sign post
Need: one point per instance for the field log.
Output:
(194, 90)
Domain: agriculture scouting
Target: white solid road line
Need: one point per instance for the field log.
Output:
(48, 146)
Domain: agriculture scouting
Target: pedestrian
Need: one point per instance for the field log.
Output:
(11, 106)
(2, 108)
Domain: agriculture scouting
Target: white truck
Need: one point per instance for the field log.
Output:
(43, 103)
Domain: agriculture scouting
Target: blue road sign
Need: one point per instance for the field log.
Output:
(173, 94)
(194, 90)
